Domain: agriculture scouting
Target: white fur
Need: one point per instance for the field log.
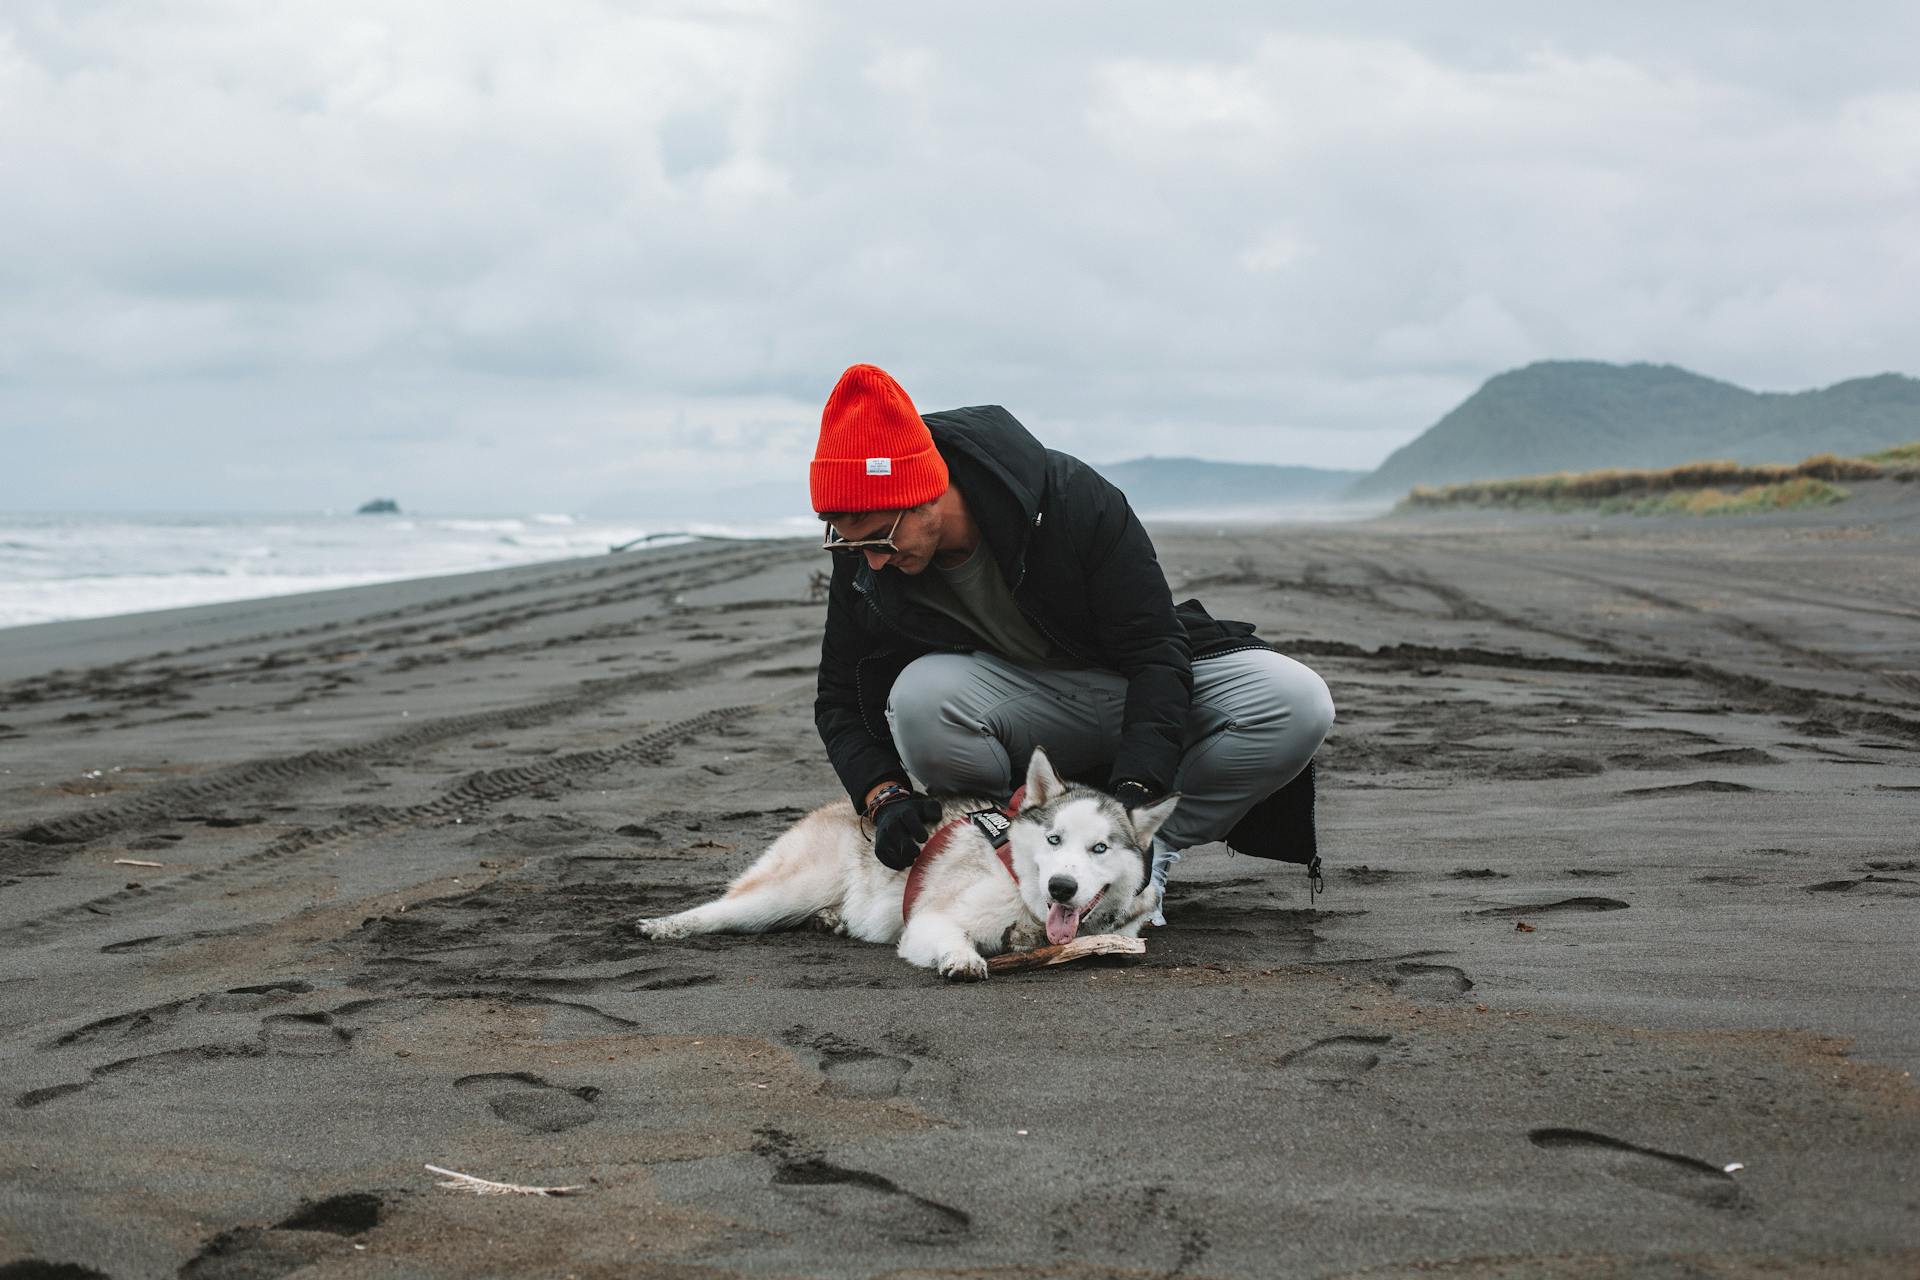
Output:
(822, 869)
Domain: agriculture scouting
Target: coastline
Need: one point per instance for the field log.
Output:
(25, 648)
(403, 829)
(67, 566)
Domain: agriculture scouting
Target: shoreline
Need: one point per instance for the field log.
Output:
(1870, 498)
(403, 830)
(71, 568)
(24, 645)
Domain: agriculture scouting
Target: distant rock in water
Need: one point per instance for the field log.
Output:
(380, 507)
(1583, 415)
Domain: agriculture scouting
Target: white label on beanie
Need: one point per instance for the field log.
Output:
(879, 466)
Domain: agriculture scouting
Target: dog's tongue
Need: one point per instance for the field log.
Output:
(1062, 923)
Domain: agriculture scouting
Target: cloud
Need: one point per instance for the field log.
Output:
(271, 243)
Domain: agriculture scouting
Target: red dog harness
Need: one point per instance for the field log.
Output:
(993, 823)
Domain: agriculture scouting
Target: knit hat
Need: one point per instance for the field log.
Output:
(875, 454)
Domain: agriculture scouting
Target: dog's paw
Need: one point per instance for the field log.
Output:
(828, 921)
(963, 966)
(660, 929)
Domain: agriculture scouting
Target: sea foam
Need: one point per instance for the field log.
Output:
(59, 567)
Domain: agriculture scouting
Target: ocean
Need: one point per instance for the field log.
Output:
(55, 567)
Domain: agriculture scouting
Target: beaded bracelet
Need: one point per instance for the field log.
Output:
(892, 791)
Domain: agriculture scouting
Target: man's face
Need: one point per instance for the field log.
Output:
(917, 536)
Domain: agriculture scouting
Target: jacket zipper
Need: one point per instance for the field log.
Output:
(1242, 647)
(1038, 516)
(860, 702)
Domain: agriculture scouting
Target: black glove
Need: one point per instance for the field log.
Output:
(900, 826)
(1135, 795)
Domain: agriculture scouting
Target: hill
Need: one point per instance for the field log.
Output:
(1193, 485)
(1582, 415)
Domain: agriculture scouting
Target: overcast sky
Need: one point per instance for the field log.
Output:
(508, 257)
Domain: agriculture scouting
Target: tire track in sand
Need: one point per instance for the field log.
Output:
(467, 797)
(429, 623)
(163, 800)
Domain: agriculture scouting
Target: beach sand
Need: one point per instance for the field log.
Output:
(1622, 824)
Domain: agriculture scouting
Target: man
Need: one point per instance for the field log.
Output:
(990, 595)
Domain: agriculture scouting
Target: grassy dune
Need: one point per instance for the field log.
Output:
(1692, 488)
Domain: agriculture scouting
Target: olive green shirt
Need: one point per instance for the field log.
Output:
(976, 596)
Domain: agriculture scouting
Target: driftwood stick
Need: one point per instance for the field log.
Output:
(1094, 944)
(488, 1187)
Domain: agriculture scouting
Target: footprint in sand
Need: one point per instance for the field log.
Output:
(158, 941)
(1662, 1171)
(863, 1074)
(168, 1067)
(867, 1200)
(305, 1035)
(853, 1070)
(1162, 1231)
(350, 1214)
(664, 978)
(141, 1024)
(247, 999)
(533, 835)
(1337, 1061)
(1872, 884)
(529, 1102)
(1410, 975)
(1706, 784)
(1581, 904)
(122, 1027)
(296, 1241)
(1419, 981)
(1736, 755)
(36, 1097)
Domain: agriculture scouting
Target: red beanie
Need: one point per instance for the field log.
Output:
(874, 452)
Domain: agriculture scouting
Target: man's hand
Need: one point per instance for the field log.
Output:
(901, 825)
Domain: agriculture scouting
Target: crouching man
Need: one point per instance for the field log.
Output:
(989, 595)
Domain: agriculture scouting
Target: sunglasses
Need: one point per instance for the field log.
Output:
(832, 541)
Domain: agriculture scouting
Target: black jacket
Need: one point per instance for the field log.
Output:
(1081, 569)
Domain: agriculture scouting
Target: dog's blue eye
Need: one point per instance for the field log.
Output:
(1100, 848)
(1053, 839)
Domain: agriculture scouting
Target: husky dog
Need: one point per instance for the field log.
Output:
(1073, 857)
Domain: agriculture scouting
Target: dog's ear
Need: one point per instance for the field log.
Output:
(1043, 784)
(1148, 817)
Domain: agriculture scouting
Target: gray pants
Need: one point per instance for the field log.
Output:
(966, 722)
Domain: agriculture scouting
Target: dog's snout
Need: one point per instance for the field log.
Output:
(1063, 888)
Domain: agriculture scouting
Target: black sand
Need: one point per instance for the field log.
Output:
(1623, 826)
